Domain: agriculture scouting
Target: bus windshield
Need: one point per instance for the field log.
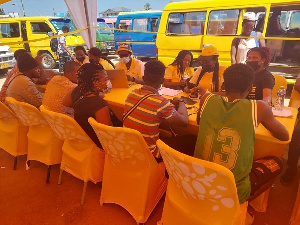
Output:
(59, 23)
(103, 25)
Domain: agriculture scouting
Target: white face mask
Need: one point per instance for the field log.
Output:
(108, 86)
(125, 59)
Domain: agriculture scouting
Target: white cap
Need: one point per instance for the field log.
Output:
(249, 16)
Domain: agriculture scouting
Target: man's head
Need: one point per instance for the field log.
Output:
(65, 29)
(124, 51)
(19, 51)
(154, 73)
(28, 65)
(94, 55)
(238, 78)
(248, 23)
(80, 53)
(70, 71)
(209, 58)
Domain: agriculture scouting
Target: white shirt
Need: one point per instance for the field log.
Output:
(243, 48)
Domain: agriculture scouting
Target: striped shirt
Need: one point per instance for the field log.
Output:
(150, 113)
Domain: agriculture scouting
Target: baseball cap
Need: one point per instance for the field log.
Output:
(209, 51)
(249, 16)
(124, 47)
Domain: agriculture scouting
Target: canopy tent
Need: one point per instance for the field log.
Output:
(84, 13)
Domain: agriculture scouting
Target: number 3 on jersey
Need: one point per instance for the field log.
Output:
(229, 152)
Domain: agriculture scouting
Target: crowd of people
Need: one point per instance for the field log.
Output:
(233, 101)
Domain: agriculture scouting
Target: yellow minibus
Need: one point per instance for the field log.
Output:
(15, 30)
(191, 25)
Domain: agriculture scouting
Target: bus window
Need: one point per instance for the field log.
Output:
(186, 23)
(140, 24)
(9, 30)
(223, 22)
(125, 25)
(154, 24)
(40, 27)
(295, 20)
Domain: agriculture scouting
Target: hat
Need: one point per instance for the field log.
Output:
(25, 62)
(209, 51)
(124, 47)
(95, 51)
(249, 16)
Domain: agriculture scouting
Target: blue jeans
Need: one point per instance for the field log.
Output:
(63, 57)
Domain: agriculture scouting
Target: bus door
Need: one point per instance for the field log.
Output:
(125, 35)
(184, 31)
(143, 43)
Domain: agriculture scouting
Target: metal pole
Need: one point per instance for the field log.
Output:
(23, 8)
(88, 23)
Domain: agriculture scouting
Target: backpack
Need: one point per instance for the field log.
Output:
(54, 44)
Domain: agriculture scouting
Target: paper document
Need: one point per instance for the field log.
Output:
(282, 113)
(169, 92)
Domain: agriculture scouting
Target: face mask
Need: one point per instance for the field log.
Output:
(253, 64)
(81, 59)
(125, 59)
(108, 86)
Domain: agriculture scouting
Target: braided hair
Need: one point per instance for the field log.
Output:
(87, 76)
(265, 53)
(178, 61)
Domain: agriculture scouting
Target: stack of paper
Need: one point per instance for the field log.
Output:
(286, 112)
(169, 92)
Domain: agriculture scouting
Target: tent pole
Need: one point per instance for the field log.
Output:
(88, 23)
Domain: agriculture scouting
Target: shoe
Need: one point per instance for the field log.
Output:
(289, 175)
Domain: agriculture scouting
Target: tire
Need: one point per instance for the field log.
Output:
(47, 61)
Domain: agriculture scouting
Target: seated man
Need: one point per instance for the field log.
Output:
(146, 115)
(134, 68)
(59, 86)
(294, 150)
(227, 133)
(21, 86)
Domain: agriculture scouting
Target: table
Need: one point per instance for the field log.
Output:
(265, 144)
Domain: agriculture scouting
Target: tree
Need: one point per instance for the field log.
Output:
(2, 11)
(147, 6)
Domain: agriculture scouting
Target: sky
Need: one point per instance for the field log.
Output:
(48, 7)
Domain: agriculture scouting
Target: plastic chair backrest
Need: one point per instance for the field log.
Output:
(203, 189)
(6, 112)
(279, 81)
(125, 146)
(295, 99)
(64, 126)
(27, 114)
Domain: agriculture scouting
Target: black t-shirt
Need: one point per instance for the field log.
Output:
(85, 108)
(263, 79)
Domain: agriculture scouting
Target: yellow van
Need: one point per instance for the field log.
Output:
(191, 25)
(14, 30)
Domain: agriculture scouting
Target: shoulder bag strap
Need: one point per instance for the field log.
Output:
(136, 105)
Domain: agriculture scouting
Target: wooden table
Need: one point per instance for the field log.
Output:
(265, 143)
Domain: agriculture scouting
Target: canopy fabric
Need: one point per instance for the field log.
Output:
(3, 1)
(83, 17)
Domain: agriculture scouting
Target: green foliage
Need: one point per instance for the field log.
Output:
(147, 6)
(2, 11)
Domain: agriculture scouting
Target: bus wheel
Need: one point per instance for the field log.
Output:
(47, 61)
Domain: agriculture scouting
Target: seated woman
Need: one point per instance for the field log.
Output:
(86, 101)
(81, 55)
(258, 59)
(179, 71)
(96, 56)
(208, 77)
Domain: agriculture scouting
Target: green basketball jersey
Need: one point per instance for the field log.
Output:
(226, 136)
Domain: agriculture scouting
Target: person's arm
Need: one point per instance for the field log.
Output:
(262, 42)
(200, 106)
(265, 116)
(135, 80)
(103, 116)
(267, 95)
(233, 51)
(169, 84)
(67, 101)
(180, 118)
(297, 84)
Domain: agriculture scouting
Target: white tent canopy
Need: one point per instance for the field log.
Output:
(84, 13)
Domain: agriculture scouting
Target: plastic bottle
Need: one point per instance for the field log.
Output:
(280, 98)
